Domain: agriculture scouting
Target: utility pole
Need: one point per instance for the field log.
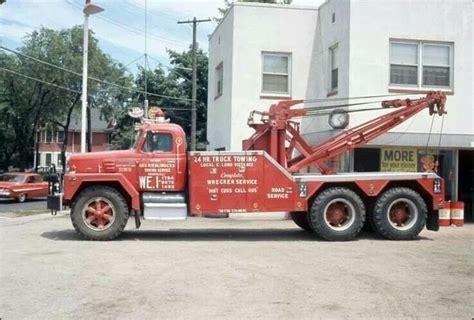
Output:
(194, 80)
(89, 9)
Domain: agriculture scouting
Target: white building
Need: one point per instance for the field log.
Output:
(260, 54)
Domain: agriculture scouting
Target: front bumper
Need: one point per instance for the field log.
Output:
(7, 194)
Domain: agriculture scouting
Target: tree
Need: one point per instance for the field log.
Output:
(227, 5)
(31, 105)
(174, 82)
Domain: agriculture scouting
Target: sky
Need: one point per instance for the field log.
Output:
(120, 28)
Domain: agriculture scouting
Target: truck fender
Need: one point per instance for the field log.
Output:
(76, 181)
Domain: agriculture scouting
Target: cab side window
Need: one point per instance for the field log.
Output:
(158, 142)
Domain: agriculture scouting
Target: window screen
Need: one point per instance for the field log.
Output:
(275, 75)
(404, 63)
(421, 63)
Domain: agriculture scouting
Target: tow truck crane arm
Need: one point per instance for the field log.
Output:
(278, 135)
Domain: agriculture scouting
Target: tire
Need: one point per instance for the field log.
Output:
(399, 214)
(21, 198)
(91, 218)
(337, 214)
(301, 220)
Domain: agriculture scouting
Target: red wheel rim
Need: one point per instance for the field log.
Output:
(399, 213)
(98, 214)
(336, 214)
(402, 214)
(339, 214)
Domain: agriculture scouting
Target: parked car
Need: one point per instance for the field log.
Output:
(19, 186)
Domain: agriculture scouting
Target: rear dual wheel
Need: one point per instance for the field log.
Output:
(301, 220)
(337, 214)
(399, 214)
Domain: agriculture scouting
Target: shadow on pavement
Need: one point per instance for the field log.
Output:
(209, 235)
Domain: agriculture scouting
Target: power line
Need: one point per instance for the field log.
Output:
(92, 78)
(39, 80)
(170, 68)
(157, 13)
(128, 27)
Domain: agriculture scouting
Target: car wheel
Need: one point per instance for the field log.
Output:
(21, 198)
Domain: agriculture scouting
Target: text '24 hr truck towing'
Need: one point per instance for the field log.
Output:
(159, 180)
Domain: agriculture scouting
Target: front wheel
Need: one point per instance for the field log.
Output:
(99, 213)
(337, 214)
(21, 198)
(399, 214)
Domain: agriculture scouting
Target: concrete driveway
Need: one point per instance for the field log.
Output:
(226, 268)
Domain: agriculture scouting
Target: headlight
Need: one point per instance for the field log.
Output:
(5, 192)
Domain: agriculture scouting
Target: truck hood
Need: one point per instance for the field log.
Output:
(94, 161)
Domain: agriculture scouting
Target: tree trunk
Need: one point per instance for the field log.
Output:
(66, 132)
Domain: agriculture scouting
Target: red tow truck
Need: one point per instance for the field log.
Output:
(159, 180)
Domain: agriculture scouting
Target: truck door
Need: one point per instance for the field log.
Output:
(157, 166)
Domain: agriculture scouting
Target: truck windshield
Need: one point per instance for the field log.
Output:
(137, 138)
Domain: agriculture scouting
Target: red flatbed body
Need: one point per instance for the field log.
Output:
(252, 181)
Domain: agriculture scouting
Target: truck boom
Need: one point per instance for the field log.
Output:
(278, 128)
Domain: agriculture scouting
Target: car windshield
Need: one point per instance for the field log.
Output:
(12, 178)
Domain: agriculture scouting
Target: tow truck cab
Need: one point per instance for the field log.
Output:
(156, 163)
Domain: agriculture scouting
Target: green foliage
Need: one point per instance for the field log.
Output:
(28, 105)
(174, 82)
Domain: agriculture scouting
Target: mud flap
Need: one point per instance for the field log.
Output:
(138, 223)
(433, 221)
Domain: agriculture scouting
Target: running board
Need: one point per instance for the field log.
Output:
(165, 211)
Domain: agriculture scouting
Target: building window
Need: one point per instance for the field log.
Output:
(421, 64)
(276, 73)
(436, 65)
(219, 80)
(333, 17)
(60, 136)
(48, 159)
(334, 63)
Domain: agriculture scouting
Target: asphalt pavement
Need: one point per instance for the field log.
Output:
(230, 269)
(11, 205)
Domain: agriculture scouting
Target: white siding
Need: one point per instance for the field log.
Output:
(362, 30)
(219, 108)
(257, 28)
(439, 21)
